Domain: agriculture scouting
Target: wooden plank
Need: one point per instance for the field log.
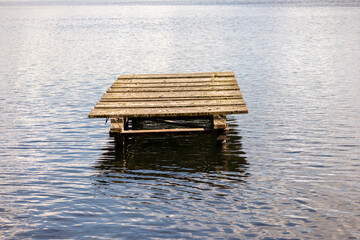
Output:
(172, 89)
(185, 131)
(148, 106)
(171, 130)
(122, 100)
(116, 127)
(197, 94)
(176, 103)
(173, 85)
(176, 75)
(164, 112)
(174, 80)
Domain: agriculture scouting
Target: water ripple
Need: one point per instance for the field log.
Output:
(289, 169)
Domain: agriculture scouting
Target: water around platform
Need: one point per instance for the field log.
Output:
(290, 167)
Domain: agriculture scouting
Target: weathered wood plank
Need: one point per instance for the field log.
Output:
(173, 85)
(118, 107)
(164, 112)
(170, 104)
(185, 131)
(121, 100)
(172, 89)
(176, 75)
(174, 80)
(173, 94)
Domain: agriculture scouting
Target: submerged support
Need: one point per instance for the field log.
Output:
(120, 130)
(118, 126)
(120, 141)
(221, 128)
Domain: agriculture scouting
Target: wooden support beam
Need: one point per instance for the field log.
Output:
(219, 123)
(175, 123)
(173, 131)
(117, 125)
(120, 141)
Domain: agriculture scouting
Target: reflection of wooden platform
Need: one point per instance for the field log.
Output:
(170, 96)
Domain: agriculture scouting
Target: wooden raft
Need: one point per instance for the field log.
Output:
(171, 96)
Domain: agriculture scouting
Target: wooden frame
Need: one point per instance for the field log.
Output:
(168, 98)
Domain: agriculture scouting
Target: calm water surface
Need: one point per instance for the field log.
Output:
(289, 170)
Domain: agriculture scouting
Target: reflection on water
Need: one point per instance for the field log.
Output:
(180, 160)
(177, 187)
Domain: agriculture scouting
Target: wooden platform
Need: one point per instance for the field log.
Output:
(183, 95)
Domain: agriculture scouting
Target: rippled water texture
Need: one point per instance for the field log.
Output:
(289, 170)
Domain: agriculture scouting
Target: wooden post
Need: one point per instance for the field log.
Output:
(121, 141)
(220, 126)
(117, 125)
(116, 128)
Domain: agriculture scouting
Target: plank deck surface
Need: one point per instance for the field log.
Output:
(171, 95)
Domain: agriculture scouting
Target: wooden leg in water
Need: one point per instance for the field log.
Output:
(219, 125)
(120, 142)
(117, 127)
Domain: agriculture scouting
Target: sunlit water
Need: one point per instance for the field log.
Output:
(289, 170)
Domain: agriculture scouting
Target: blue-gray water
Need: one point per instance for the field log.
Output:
(289, 170)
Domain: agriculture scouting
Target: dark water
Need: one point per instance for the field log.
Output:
(289, 170)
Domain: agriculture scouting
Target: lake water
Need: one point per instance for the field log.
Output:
(289, 170)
